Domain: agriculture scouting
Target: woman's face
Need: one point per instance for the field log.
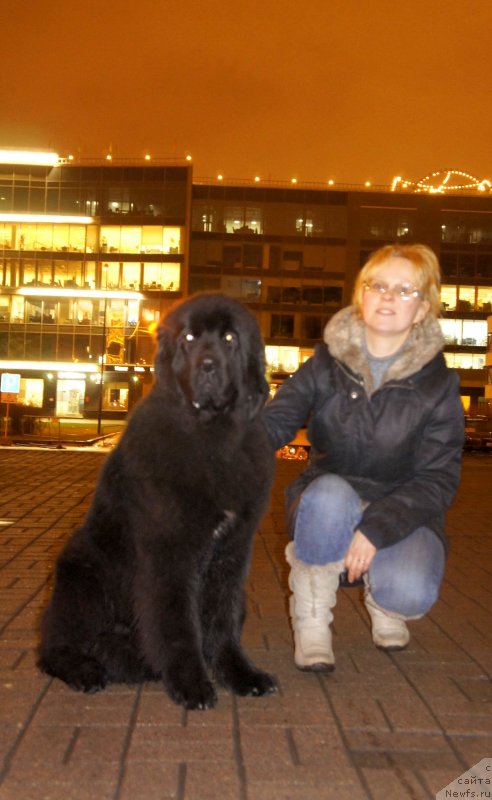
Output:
(387, 315)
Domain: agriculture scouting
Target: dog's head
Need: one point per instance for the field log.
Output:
(210, 346)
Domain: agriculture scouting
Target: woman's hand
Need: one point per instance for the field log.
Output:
(359, 556)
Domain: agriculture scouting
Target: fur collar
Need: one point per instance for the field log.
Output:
(344, 335)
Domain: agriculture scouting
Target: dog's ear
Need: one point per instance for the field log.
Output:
(166, 348)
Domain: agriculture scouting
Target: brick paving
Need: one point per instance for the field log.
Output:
(400, 725)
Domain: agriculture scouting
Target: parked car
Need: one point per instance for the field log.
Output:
(478, 434)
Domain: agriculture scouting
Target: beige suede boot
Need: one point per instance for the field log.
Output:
(388, 628)
(314, 595)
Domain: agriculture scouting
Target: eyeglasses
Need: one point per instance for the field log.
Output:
(405, 291)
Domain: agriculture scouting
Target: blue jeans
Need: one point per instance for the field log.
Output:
(404, 578)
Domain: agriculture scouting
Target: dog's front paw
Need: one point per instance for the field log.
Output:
(242, 677)
(253, 682)
(200, 695)
(262, 683)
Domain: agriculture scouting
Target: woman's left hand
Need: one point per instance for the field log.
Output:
(359, 556)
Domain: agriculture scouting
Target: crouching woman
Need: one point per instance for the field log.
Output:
(386, 427)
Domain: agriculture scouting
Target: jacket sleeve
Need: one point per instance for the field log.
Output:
(290, 408)
(424, 499)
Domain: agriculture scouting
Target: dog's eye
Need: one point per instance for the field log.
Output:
(189, 337)
(229, 337)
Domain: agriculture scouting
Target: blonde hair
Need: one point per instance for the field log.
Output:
(427, 272)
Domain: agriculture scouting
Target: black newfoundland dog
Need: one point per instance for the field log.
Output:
(151, 586)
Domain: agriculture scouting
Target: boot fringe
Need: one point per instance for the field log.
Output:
(316, 569)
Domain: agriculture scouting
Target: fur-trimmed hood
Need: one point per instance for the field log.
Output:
(344, 335)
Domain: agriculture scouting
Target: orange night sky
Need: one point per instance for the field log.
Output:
(352, 90)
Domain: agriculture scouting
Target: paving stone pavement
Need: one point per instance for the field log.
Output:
(400, 725)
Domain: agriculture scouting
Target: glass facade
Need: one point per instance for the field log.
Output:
(90, 258)
(92, 254)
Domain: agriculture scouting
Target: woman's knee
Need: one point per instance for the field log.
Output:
(324, 519)
(406, 578)
(411, 597)
(329, 490)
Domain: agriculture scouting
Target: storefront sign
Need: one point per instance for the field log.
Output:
(9, 387)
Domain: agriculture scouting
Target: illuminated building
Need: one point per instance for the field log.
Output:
(91, 255)
(292, 254)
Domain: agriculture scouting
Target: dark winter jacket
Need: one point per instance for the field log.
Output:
(399, 446)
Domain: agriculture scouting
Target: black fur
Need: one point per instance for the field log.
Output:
(151, 586)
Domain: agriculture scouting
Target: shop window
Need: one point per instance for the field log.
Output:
(70, 395)
(31, 392)
(115, 396)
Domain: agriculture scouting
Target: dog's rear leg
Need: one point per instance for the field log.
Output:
(71, 626)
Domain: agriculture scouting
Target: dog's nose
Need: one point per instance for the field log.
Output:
(208, 365)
